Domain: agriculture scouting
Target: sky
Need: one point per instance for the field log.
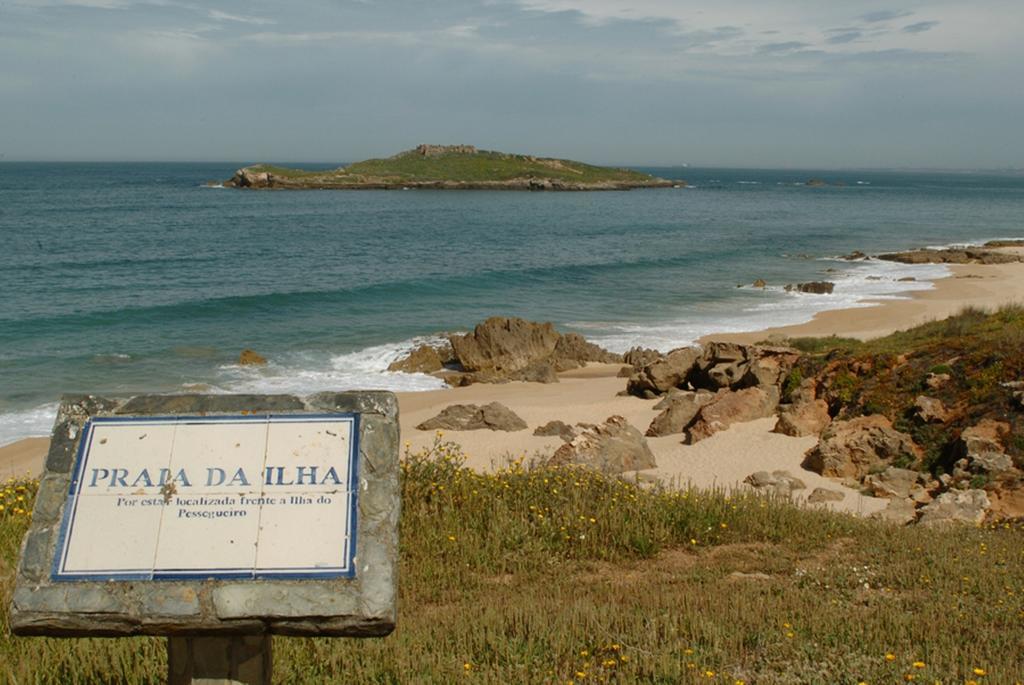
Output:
(752, 83)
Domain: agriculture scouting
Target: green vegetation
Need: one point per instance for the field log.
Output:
(978, 350)
(488, 166)
(455, 166)
(564, 575)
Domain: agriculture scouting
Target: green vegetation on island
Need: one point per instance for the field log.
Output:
(451, 167)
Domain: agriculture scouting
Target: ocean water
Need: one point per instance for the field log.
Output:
(124, 278)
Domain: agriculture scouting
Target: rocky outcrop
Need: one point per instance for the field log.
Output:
(956, 506)
(612, 447)
(982, 452)
(556, 429)
(899, 512)
(467, 417)
(822, 495)
(511, 349)
(930, 410)
(781, 483)
(426, 150)
(952, 256)
(1005, 243)
(805, 414)
(666, 372)
(730, 365)
(639, 357)
(504, 345)
(573, 351)
(897, 483)
(854, 448)
(251, 358)
(733, 406)
(423, 359)
(813, 287)
(718, 365)
(681, 409)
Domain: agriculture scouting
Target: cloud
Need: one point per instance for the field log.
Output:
(241, 19)
(781, 48)
(884, 15)
(920, 27)
(843, 38)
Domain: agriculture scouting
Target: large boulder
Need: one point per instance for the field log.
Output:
(822, 495)
(502, 345)
(731, 365)
(956, 506)
(769, 365)
(722, 365)
(556, 429)
(250, 358)
(423, 359)
(467, 417)
(664, 373)
(510, 349)
(805, 415)
(899, 483)
(781, 483)
(682, 408)
(612, 447)
(982, 450)
(930, 410)
(733, 406)
(899, 511)
(854, 448)
(813, 287)
(639, 357)
(573, 351)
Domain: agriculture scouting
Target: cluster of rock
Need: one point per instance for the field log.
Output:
(504, 349)
(611, 447)
(706, 390)
(467, 417)
(953, 256)
(812, 287)
(861, 452)
(427, 150)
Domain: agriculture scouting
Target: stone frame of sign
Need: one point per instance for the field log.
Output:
(359, 601)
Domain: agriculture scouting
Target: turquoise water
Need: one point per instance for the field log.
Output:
(121, 278)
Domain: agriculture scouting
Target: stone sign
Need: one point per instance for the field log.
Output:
(211, 497)
(215, 514)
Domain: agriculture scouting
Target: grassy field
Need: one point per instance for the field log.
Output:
(489, 166)
(565, 576)
(480, 167)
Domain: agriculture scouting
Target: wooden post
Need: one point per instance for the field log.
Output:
(213, 660)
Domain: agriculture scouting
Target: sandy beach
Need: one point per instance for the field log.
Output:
(590, 395)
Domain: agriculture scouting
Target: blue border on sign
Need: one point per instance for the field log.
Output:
(348, 570)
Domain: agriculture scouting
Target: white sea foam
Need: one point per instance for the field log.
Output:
(306, 373)
(978, 243)
(861, 284)
(27, 423)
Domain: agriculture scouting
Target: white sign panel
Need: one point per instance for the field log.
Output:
(212, 497)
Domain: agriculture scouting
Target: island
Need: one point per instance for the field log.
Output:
(450, 167)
